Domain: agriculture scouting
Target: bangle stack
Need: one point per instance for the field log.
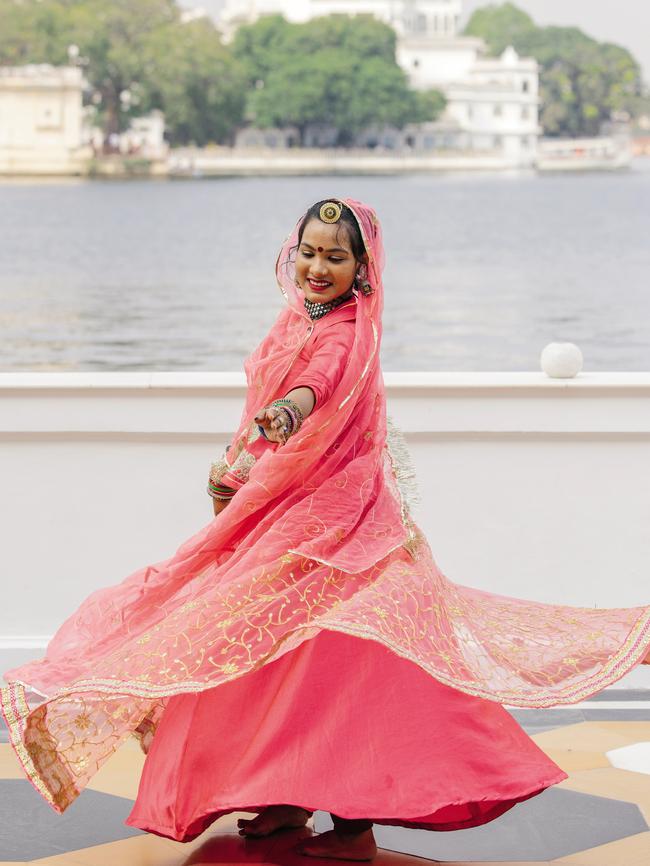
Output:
(216, 489)
(220, 491)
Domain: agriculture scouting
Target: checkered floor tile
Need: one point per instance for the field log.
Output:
(599, 816)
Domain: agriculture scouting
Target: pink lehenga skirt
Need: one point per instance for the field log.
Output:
(341, 724)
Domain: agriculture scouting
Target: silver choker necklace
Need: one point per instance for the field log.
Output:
(317, 310)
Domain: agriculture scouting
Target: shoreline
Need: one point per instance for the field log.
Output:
(222, 163)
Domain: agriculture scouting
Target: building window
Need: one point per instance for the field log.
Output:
(525, 85)
(497, 110)
(470, 112)
(416, 63)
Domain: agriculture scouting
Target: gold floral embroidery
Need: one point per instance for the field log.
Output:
(82, 721)
(218, 469)
(242, 466)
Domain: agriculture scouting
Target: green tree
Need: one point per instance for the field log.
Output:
(501, 26)
(334, 71)
(33, 32)
(429, 105)
(260, 47)
(582, 82)
(196, 81)
(112, 36)
(142, 49)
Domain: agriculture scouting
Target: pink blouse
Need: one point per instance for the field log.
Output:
(319, 366)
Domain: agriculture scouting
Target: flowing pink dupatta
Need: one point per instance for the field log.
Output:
(320, 537)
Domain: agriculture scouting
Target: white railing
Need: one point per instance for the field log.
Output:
(530, 486)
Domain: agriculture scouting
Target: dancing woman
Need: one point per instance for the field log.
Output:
(303, 651)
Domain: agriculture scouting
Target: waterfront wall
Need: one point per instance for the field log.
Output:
(530, 487)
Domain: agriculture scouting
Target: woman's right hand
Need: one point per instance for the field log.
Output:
(273, 420)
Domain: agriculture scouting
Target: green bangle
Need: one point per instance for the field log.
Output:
(220, 491)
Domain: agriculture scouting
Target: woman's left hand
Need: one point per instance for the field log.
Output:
(275, 423)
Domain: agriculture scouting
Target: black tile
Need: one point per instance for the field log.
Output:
(556, 823)
(609, 715)
(622, 695)
(558, 717)
(30, 829)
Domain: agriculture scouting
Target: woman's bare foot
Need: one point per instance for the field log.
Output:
(273, 818)
(340, 846)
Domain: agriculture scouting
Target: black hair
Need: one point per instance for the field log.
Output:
(347, 219)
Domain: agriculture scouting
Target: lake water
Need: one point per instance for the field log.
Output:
(482, 270)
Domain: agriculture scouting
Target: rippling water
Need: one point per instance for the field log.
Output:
(482, 270)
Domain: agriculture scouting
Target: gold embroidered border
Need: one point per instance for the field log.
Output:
(633, 649)
(15, 708)
(631, 652)
(218, 469)
(242, 466)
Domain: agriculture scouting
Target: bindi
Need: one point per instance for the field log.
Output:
(320, 249)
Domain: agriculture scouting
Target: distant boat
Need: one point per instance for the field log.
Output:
(584, 154)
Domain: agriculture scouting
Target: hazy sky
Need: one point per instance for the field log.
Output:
(626, 22)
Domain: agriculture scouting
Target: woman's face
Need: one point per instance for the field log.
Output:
(325, 264)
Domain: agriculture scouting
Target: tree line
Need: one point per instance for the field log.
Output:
(583, 82)
(336, 71)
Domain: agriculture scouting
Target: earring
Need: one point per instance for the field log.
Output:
(361, 280)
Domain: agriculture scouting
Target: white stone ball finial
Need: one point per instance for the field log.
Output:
(561, 360)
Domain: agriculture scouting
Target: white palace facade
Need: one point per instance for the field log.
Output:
(41, 120)
(492, 103)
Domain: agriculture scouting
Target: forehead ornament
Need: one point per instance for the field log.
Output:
(330, 212)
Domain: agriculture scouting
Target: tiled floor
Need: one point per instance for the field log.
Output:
(600, 816)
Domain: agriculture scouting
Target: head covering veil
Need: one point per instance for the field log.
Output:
(341, 446)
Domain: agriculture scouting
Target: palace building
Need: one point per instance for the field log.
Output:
(41, 120)
(492, 103)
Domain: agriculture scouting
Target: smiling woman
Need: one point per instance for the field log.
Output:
(303, 650)
(330, 253)
(330, 261)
